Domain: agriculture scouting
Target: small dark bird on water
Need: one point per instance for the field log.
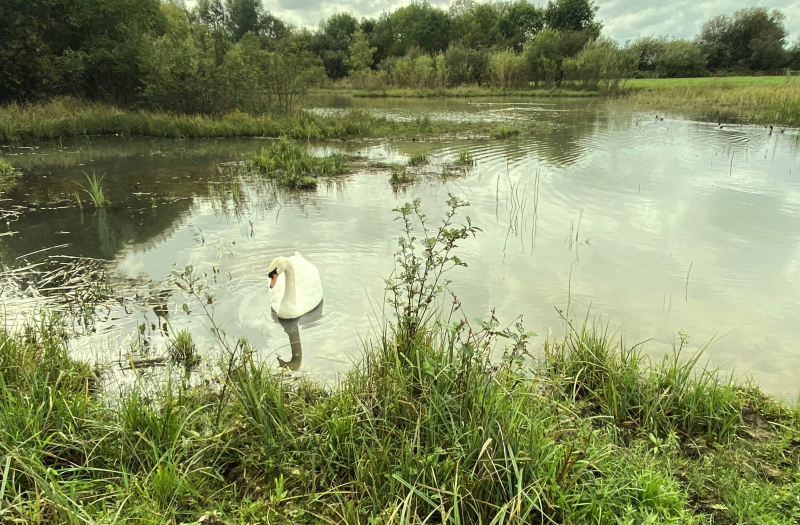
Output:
(783, 130)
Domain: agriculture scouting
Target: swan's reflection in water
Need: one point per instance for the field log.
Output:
(292, 329)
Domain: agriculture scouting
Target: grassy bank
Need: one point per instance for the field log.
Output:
(456, 92)
(770, 101)
(426, 428)
(69, 118)
(649, 83)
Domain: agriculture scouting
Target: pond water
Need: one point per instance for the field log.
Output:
(650, 226)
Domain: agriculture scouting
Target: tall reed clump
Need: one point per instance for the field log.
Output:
(94, 189)
(292, 166)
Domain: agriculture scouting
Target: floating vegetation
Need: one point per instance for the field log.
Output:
(292, 166)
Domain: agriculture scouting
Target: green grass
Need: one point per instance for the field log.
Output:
(649, 83)
(760, 100)
(291, 166)
(427, 427)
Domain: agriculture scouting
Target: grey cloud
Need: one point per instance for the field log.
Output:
(623, 19)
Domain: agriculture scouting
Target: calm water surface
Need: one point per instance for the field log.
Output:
(653, 227)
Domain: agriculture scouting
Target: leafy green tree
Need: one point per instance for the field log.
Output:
(681, 59)
(332, 41)
(290, 71)
(601, 64)
(211, 13)
(543, 55)
(243, 16)
(665, 58)
(572, 15)
(361, 54)
(479, 27)
(507, 69)
(27, 57)
(751, 39)
(248, 16)
(519, 22)
(794, 55)
(466, 65)
(419, 24)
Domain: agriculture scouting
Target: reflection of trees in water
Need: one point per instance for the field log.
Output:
(101, 234)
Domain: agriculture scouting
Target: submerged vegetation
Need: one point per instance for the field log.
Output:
(441, 421)
(292, 166)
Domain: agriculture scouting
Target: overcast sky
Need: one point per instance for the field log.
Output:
(623, 19)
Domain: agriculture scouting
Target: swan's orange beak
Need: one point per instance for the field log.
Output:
(273, 280)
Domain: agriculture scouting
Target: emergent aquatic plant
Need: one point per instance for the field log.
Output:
(502, 132)
(94, 191)
(464, 158)
(292, 166)
(418, 159)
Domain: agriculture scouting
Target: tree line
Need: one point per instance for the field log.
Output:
(221, 55)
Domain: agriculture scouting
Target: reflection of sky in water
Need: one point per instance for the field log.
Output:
(645, 200)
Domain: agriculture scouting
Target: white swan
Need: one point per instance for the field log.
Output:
(295, 286)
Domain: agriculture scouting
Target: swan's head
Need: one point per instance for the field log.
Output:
(276, 267)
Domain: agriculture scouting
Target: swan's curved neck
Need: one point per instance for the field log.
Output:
(290, 295)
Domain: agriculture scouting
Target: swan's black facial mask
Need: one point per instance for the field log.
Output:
(273, 277)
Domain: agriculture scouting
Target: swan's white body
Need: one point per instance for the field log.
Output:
(297, 289)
